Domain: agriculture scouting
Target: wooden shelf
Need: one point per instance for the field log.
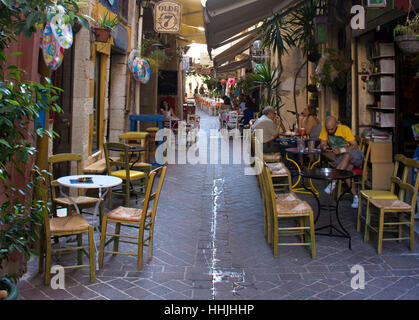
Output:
(380, 57)
(381, 109)
(380, 91)
(383, 74)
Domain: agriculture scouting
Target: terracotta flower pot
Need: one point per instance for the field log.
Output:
(101, 34)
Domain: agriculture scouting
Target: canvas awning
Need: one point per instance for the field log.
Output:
(225, 19)
(234, 66)
(234, 50)
(192, 27)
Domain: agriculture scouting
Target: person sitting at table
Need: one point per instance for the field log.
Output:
(248, 111)
(309, 121)
(339, 139)
(223, 110)
(166, 110)
(269, 122)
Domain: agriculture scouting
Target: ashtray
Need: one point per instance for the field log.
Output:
(84, 179)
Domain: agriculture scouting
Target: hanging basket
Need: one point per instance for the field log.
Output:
(408, 44)
(101, 34)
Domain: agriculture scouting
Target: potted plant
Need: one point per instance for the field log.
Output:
(407, 36)
(21, 206)
(103, 30)
(21, 102)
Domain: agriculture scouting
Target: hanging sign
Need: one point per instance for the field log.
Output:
(167, 17)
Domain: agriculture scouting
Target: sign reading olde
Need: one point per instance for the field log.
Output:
(167, 17)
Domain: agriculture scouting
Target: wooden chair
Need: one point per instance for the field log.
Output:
(365, 194)
(142, 218)
(281, 176)
(121, 168)
(399, 211)
(139, 139)
(360, 173)
(152, 131)
(66, 226)
(287, 207)
(82, 202)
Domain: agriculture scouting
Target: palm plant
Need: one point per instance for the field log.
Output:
(266, 80)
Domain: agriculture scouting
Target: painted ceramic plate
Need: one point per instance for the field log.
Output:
(141, 70)
(53, 53)
(133, 54)
(63, 33)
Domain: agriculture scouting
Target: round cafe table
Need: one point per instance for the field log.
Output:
(328, 175)
(298, 166)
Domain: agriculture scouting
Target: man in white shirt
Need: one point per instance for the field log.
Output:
(269, 123)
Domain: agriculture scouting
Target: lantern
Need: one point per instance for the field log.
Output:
(231, 81)
(223, 81)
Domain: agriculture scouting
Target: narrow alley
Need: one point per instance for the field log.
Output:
(209, 245)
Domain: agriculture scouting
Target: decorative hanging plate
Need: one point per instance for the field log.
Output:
(53, 53)
(141, 70)
(133, 54)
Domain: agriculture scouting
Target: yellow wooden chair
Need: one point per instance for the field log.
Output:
(137, 139)
(142, 218)
(152, 138)
(140, 139)
(287, 207)
(120, 167)
(399, 211)
(367, 195)
(66, 226)
(58, 201)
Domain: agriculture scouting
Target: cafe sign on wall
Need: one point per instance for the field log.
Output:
(167, 17)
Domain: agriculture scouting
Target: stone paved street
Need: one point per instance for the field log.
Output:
(209, 244)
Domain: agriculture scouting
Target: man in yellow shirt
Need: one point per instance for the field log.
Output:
(339, 139)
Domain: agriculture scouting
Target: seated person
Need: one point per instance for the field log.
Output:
(224, 109)
(339, 139)
(170, 118)
(248, 111)
(167, 110)
(308, 120)
(269, 122)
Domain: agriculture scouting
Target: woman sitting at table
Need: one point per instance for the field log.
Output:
(248, 111)
(167, 110)
(224, 109)
(308, 120)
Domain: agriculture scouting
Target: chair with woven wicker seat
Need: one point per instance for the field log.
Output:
(360, 173)
(66, 226)
(138, 139)
(142, 218)
(288, 208)
(120, 167)
(396, 180)
(81, 201)
(152, 131)
(281, 176)
(402, 211)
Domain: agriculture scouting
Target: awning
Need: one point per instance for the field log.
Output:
(224, 19)
(234, 50)
(192, 28)
(234, 66)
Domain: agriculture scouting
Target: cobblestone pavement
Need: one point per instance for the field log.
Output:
(209, 245)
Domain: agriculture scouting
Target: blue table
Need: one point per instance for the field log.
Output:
(134, 118)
